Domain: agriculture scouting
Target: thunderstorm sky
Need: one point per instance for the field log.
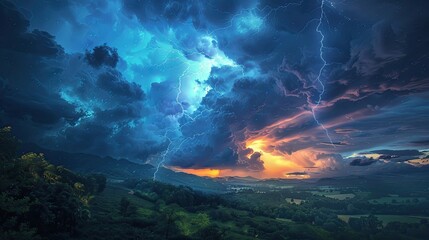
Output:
(262, 88)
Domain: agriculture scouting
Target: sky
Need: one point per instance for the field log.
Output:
(261, 88)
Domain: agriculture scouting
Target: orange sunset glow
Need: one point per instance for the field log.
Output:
(277, 165)
(204, 172)
(299, 164)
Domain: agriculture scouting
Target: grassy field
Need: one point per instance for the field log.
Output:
(334, 194)
(240, 225)
(107, 203)
(284, 220)
(234, 223)
(387, 218)
(341, 196)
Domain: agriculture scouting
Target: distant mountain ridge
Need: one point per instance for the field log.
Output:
(121, 169)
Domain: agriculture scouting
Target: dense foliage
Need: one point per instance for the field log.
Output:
(39, 199)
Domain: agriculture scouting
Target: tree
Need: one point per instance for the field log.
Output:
(100, 179)
(37, 198)
(212, 232)
(370, 224)
(126, 208)
(190, 224)
(169, 214)
(8, 144)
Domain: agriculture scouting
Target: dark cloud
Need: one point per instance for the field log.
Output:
(202, 78)
(59, 101)
(295, 145)
(120, 113)
(398, 155)
(255, 163)
(14, 34)
(296, 174)
(420, 143)
(41, 109)
(13, 22)
(398, 152)
(259, 102)
(219, 13)
(102, 55)
(194, 159)
(216, 13)
(362, 162)
(164, 97)
(114, 84)
(23, 99)
(169, 11)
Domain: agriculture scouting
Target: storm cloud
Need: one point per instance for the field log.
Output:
(260, 88)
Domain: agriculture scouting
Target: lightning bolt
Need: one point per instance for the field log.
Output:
(179, 92)
(170, 142)
(264, 12)
(183, 113)
(164, 155)
(319, 75)
(274, 10)
(175, 144)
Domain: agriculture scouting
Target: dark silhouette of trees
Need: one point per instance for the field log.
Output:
(126, 208)
(369, 225)
(38, 198)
